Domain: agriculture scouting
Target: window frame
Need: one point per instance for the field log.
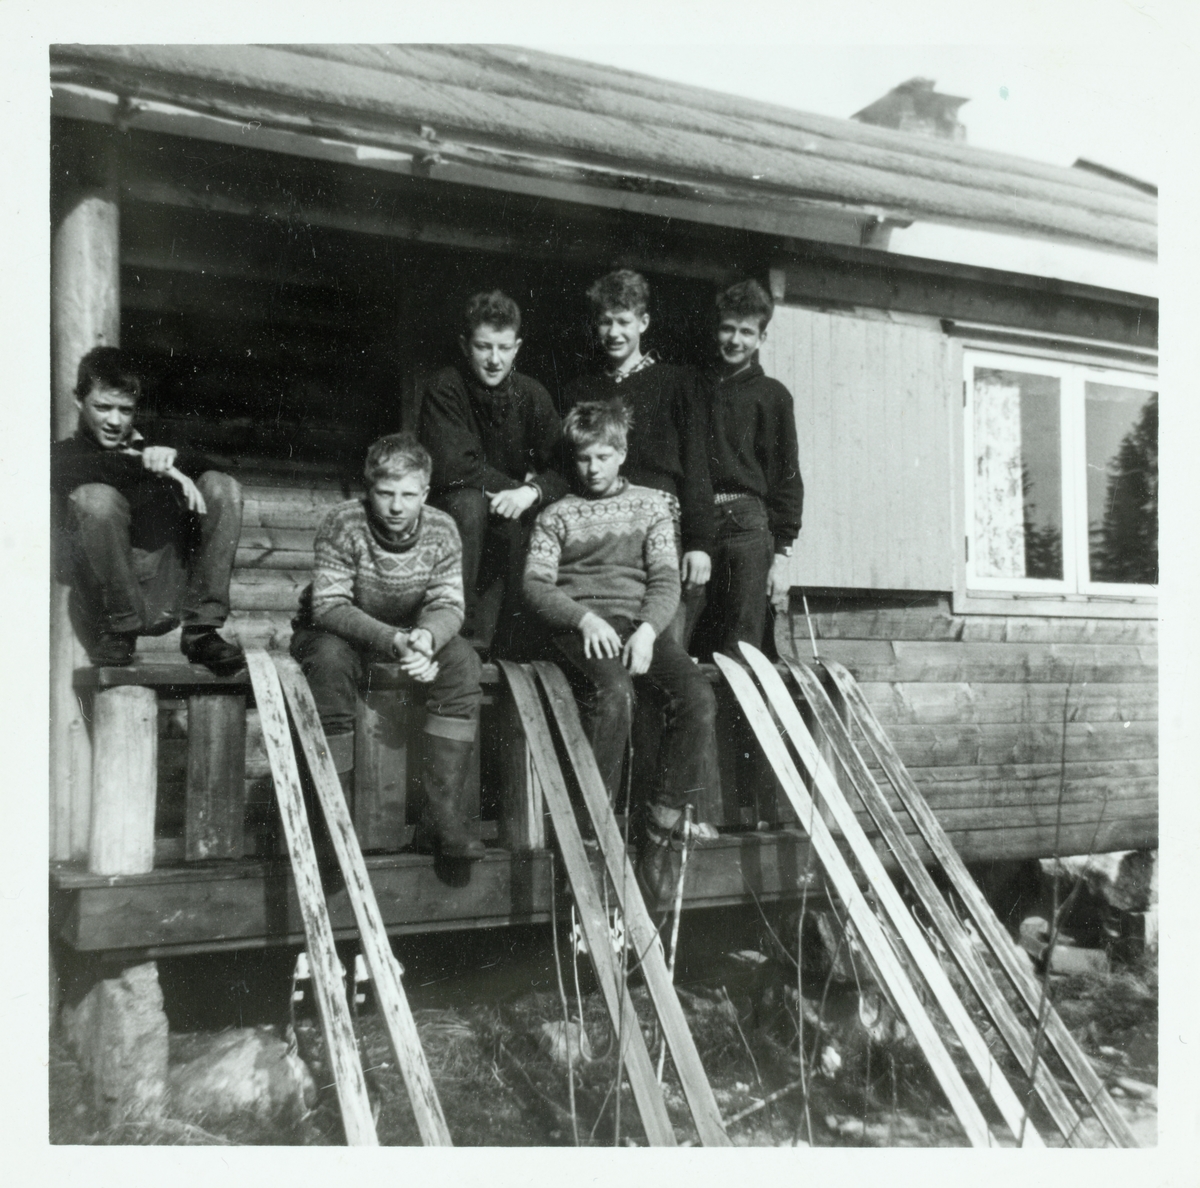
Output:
(1075, 588)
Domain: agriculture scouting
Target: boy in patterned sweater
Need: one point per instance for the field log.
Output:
(603, 577)
(387, 586)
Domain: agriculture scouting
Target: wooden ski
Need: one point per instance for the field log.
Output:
(328, 986)
(1009, 1105)
(869, 929)
(989, 926)
(646, 1090)
(644, 936)
(948, 925)
(376, 948)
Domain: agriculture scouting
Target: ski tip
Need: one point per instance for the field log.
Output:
(751, 652)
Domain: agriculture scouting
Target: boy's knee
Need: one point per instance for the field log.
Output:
(218, 487)
(458, 659)
(326, 656)
(98, 501)
(614, 688)
(699, 702)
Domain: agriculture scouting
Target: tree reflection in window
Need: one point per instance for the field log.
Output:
(1122, 485)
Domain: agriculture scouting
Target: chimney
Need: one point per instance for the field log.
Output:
(914, 106)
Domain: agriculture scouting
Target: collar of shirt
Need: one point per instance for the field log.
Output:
(647, 360)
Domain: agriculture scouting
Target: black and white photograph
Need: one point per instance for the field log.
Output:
(602, 590)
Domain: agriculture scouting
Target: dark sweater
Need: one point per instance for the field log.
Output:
(753, 447)
(157, 505)
(668, 443)
(490, 438)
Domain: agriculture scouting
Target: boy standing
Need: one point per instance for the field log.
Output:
(755, 470)
(668, 442)
(603, 578)
(495, 438)
(148, 534)
(387, 585)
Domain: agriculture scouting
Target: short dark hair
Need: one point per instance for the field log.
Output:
(396, 455)
(494, 309)
(108, 367)
(593, 421)
(746, 299)
(623, 289)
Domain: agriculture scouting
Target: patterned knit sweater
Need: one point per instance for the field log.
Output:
(365, 587)
(614, 556)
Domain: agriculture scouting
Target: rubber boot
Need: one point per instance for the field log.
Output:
(442, 828)
(658, 855)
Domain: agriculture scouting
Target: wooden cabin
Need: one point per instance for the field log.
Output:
(284, 237)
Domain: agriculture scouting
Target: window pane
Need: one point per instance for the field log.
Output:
(1122, 483)
(1018, 475)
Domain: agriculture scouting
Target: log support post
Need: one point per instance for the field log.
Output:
(124, 780)
(216, 776)
(84, 313)
(382, 754)
(522, 813)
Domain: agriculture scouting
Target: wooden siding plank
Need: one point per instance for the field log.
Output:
(932, 623)
(904, 660)
(928, 746)
(934, 703)
(1087, 770)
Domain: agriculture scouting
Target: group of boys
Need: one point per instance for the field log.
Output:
(660, 510)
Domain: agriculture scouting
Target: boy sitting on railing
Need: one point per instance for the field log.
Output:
(148, 534)
(602, 577)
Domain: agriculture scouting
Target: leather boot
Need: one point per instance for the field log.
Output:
(442, 828)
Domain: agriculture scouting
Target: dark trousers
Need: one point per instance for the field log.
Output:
(493, 563)
(122, 588)
(336, 670)
(736, 597)
(607, 695)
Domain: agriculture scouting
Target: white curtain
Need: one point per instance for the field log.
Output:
(999, 502)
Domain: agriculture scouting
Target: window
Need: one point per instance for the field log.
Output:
(1062, 477)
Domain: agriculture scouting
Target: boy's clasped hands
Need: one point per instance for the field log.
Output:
(414, 650)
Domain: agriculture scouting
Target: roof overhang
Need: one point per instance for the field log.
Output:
(519, 121)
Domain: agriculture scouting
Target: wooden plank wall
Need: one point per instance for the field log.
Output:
(975, 707)
(873, 417)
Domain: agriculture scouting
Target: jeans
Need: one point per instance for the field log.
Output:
(607, 695)
(336, 670)
(736, 597)
(119, 587)
(493, 563)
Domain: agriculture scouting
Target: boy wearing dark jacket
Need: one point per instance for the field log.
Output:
(494, 437)
(755, 469)
(667, 439)
(147, 535)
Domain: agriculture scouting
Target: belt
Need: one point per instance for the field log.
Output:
(732, 496)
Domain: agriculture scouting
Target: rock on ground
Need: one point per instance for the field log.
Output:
(247, 1075)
